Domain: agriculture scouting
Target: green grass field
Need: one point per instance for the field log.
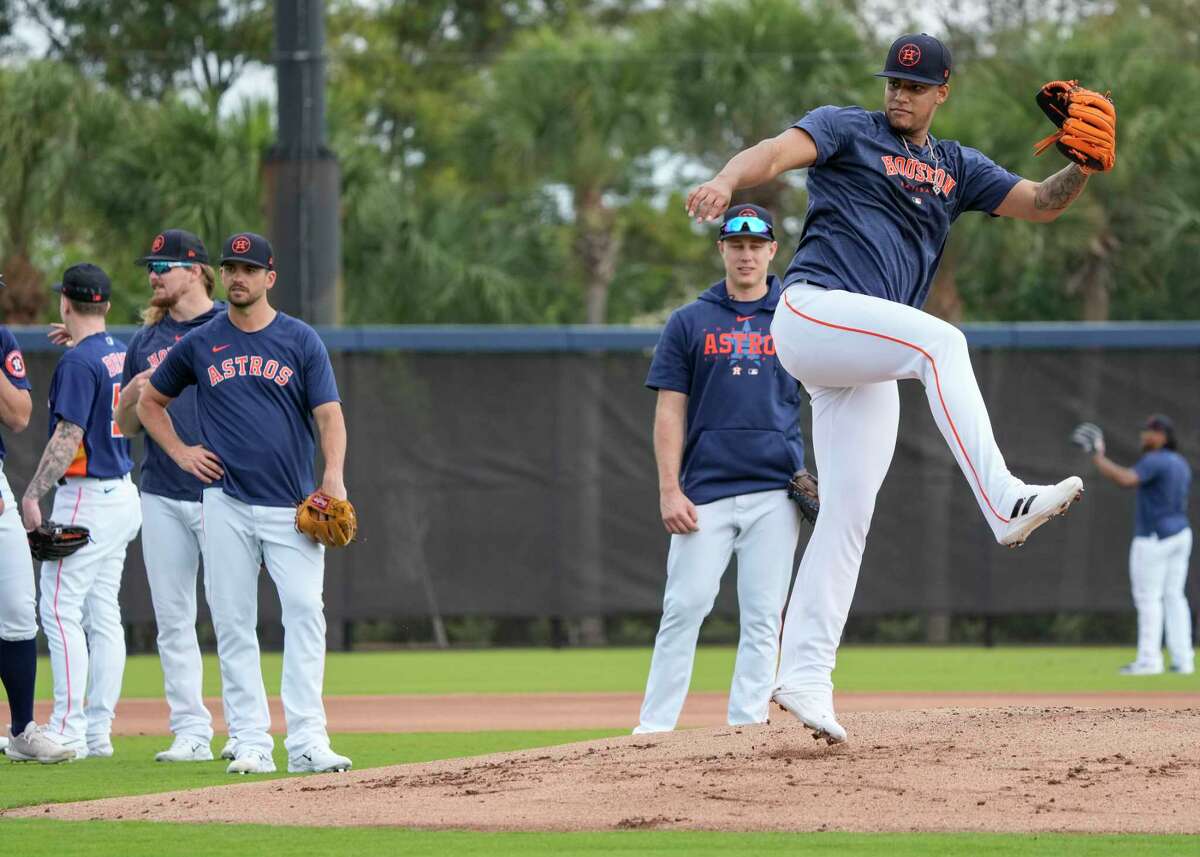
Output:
(863, 668)
(912, 669)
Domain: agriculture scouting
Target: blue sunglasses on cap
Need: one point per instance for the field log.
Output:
(753, 225)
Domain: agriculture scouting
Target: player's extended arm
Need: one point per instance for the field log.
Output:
(331, 425)
(670, 430)
(791, 150)
(1044, 201)
(196, 460)
(1126, 477)
(126, 412)
(56, 458)
(15, 405)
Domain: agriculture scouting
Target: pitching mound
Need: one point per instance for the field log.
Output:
(1009, 769)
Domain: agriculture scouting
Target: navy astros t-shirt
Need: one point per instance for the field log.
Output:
(255, 393)
(878, 211)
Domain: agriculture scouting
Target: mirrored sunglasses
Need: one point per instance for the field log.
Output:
(161, 268)
(753, 225)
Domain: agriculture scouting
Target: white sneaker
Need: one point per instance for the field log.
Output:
(251, 762)
(1184, 669)
(318, 759)
(1038, 505)
(1141, 668)
(101, 748)
(185, 749)
(814, 710)
(36, 745)
(229, 751)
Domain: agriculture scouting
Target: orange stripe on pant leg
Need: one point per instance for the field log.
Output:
(937, 383)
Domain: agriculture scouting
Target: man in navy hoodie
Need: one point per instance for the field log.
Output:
(727, 439)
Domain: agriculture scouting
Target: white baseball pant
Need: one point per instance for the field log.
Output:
(18, 595)
(848, 350)
(171, 545)
(762, 529)
(79, 606)
(238, 540)
(1158, 571)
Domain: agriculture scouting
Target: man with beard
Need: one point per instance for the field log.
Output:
(181, 284)
(262, 379)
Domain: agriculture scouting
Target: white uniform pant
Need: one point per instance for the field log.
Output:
(171, 543)
(849, 350)
(238, 539)
(79, 606)
(762, 529)
(18, 595)
(1158, 571)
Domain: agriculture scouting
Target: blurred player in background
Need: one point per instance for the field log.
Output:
(88, 458)
(1161, 548)
(727, 441)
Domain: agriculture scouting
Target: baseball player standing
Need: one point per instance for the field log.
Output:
(883, 193)
(262, 379)
(1161, 547)
(24, 740)
(181, 283)
(88, 458)
(727, 441)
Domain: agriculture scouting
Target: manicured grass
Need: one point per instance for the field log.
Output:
(145, 839)
(864, 668)
(132, 769)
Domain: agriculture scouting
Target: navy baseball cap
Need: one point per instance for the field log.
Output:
(1162, 423)
(919, 57)
(86, 283)
(249, 248)
(747, 221)
(175, 245)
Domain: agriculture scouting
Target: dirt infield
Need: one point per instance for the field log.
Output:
(472, 713)
(1019, 769)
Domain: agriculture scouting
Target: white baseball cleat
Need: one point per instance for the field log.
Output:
(1037, 505)
(1141, 668)
(319, 759)
(229, 751)
(101, 748)
(251, 762)
(1183, 669)
(3, 743)
(36, 745)
(185, 749)
(814, 710)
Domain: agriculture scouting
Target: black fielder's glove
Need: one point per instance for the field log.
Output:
(52, 541)
(803, 489)
(1088, 437)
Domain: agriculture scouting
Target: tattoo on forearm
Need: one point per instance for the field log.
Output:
(1060, 190)
(60, 452)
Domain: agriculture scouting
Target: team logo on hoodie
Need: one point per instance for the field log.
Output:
(742, 345)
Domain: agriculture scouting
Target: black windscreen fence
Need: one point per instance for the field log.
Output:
(523, 484)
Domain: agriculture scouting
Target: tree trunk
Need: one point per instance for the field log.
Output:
(1093, 281)
(25, 296)
(597, 246)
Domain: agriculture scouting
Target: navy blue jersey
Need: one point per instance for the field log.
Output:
(148, 348)
(255, 393)
(14, 367)
(879, 213)
(84, 391)
(1164, 479)
(743, 414)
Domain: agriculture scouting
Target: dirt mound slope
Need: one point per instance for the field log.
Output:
(1002, 769)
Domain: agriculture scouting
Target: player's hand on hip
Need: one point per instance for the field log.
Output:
(679, 514)
(201, 463)
(31, 514)
(709, 200)
(59, 336)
